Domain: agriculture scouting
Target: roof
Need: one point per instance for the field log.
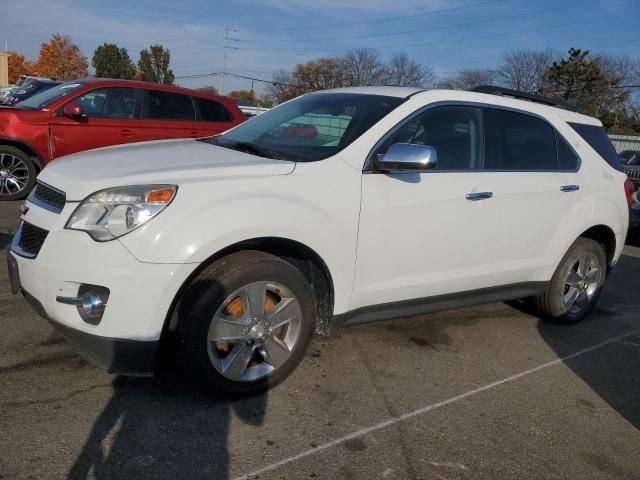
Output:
(400, 92)
(141, 84)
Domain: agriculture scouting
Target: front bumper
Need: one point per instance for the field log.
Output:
(141, 294)
(115, 355)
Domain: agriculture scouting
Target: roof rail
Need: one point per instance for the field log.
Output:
(532, 97)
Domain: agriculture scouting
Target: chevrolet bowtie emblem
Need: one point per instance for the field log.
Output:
(24, 208)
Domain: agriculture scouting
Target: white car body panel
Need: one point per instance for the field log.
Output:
(382, 238)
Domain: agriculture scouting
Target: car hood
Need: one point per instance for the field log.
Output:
(176, 162)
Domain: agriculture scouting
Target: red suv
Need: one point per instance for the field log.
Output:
(93, 113)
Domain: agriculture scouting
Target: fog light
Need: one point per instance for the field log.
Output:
(91, 302)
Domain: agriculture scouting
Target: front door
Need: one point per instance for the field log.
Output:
(109, 118)
(427, 233)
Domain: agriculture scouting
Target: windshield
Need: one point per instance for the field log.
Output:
(43, 99)
(309, 128)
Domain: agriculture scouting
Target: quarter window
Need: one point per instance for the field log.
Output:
(516, 141)
(454, 131)
(212, 111)
(109, 103)
(169, 106)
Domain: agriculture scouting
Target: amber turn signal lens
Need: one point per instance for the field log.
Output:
(160, 196)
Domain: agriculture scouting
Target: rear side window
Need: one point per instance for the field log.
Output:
(516, 141)
(599, 141)
(567, 158)
(169, 106)
(212, 111)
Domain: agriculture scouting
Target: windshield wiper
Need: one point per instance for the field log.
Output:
(246, 147)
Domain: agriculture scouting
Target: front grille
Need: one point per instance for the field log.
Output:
(48, 197)
(31, 239)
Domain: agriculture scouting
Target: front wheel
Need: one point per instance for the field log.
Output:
(245, 323)
(17, 173)
(576, 284)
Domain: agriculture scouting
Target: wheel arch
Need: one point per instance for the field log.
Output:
(304, 258)
(26, 148)
(604, 235)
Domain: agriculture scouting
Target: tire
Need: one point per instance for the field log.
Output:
(581, 274)
(17, 173)
(221, 326)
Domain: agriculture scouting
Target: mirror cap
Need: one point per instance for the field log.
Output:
(408, 156)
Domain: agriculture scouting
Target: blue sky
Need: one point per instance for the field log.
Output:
(267, 35)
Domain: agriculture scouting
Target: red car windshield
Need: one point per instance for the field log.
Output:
(44, 99)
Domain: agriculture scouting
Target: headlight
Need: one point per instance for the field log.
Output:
(109, 214)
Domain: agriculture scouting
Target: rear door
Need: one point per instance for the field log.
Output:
(110, 118)
(169, 115)
(534, 176)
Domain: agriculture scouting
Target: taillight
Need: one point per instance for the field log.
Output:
(628, 190)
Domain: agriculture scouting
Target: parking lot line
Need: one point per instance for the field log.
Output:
(428, 408)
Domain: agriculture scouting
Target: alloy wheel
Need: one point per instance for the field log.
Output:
(582, 283)
(254, 331)
(14, 174)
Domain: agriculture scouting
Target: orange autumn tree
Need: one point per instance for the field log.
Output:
(18, 65)
(61, 59)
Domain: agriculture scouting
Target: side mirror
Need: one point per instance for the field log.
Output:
(407, 156)
(72, 110)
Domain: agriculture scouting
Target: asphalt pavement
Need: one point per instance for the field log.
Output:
(486, 392)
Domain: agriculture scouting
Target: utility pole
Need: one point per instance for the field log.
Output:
(226, 47)
(224, 59)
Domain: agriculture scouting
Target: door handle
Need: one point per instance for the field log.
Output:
(125, 132)
(569, 188)
(475, 196)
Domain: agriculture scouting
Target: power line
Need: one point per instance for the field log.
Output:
(380, 20)
(437, 27)
(460, 40)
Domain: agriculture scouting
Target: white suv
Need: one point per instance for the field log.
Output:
(336, 208)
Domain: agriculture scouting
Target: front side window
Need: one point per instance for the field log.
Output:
(309, 128)
(109, 103)
(517, 141)
(455, 132)
(169, 106)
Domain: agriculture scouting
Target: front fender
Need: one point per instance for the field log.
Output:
(202, 222)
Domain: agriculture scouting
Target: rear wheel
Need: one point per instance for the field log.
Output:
(576, 284)
(246, 323)
(17, 173)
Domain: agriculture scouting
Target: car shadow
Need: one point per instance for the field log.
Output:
(5, 238)
(613, 371)
(144, 432)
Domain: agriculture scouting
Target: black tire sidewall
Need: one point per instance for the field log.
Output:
(31, 168)
(203, 299)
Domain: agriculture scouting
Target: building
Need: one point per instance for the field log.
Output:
(4, 69)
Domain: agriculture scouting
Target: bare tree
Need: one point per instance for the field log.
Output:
(405, 72)
(526, 70)
(468, 79)
(363, 66)
(319, 74)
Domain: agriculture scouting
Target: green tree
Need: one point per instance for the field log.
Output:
(582, 80)
(113, 62)
(247, 96)
(154, 65)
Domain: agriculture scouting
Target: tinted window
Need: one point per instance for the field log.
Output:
(455, 133)
(567, 158)
(212, 111)
(109, 103)
(312, 127)
(516, 141)
(597, 138)
(170, 106)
